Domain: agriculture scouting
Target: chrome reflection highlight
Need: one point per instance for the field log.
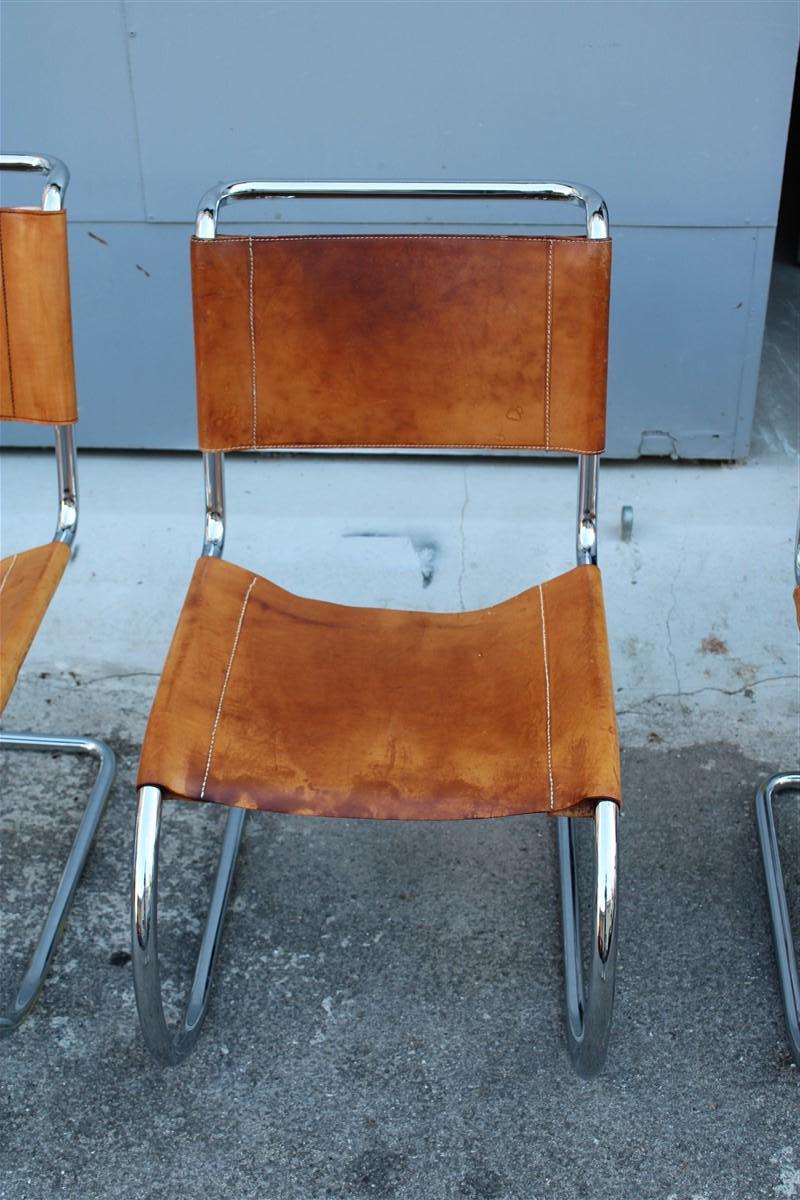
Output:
(67, 468)
(56, 171)
(214, 473)
(588, 1012)
(586, 530)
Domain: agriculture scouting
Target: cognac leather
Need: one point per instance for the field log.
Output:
(27, 583)
(392, 341)
(272, 701)
(37, 378)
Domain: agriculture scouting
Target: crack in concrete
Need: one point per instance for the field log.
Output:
(681, 695)
(120, 675)
(668, 624)
(463, 543)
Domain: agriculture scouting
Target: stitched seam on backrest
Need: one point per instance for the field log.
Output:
(225, 681)
(510, 446)
(8, 572)
(408, 237)
(549, 344)
(547, 698)
(8, 327)
(252, 315)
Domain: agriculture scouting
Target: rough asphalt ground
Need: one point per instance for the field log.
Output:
(386, 1016)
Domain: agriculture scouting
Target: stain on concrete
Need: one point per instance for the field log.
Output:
(711, 644)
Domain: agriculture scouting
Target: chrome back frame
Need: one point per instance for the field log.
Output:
(53, 194)
(597, 228)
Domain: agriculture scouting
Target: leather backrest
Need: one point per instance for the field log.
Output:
(37, 376)
(425, 341)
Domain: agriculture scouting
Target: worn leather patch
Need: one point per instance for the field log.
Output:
(272, 701)
(401, 341)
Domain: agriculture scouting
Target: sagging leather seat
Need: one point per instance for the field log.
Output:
(271, 701)
(28, 582)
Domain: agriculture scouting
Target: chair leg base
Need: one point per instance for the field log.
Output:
(588, 1014)
(51, 931)
(167, 1047)
(778, 908)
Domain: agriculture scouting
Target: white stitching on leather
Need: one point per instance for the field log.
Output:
(549, 347)
(225, 686)
(303, 446)
(382, 237)
(253, 342)
(8, 572)
(547, 694)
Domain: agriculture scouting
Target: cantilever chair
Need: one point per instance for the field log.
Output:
(783, 937)
(37, 384)
(274, 702)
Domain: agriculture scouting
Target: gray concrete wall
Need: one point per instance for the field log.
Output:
(676, 112)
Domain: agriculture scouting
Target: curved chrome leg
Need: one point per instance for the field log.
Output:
(171, 1048)
(778, 908)
(589, 1014)
(56, 917)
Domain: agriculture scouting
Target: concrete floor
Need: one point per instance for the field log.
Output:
(386, 1019)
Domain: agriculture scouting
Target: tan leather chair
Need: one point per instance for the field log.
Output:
(274, 702)
(785, 956)
(37, 384)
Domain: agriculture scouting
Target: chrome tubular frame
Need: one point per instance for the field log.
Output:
(424, 189)
(214, 536)
(56, 171)
(588, 1015)
(66, 527)
(171, 1048)
(67, 468)
(167, 1047)
(54, 923)
(586, 530)
(778, 908)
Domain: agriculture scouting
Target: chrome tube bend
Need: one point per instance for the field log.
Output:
(785, 956)
(34, 976)
(56, 171)
(588, 1012)
(167, 1047)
